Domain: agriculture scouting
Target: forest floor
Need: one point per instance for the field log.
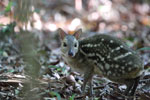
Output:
(54, 80)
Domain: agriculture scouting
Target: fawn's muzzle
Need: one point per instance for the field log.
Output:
(70, 53)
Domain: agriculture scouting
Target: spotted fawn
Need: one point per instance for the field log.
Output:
(104, 55)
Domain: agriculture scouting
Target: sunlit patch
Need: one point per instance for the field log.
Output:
(51, 27)
(74, 24)
(37, 23)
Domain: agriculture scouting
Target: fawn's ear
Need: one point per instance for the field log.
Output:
(62, 33)
(77, 33)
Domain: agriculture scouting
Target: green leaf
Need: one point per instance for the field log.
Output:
(2, 25)
(5, 54)
(56, 94)
(52, 66)
(4, 29)
(63, 70)
(72, 97)
(11, 70)
(59, 69)
(96, 98)
(37, 10)
(16, 91)
(8, 29)
(8, 8)
(42, 52)
(143, 49)
(1, 51)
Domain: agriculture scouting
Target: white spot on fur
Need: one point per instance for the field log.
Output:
(95, 45)
(107, 66)
(118, 48)
(91, 54)
(121, 46)
(112, 66)
(123, 61)
(114, 74)
(101, 67)
(122, 56)
(123, 71)
(122, 67)
(102, 39)
(99, 44)
(101, 58)
(129, 69)
(130, 63)
(108, 73)
(116, 66)
(111, 41)
(112, 50)
(108, 56)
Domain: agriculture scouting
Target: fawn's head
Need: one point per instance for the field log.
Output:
(69, 43)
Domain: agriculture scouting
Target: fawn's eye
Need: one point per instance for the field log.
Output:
(75, 45)
(64, 44)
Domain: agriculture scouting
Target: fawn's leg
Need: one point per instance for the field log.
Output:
(91, 87)
(87, 78)
(136, 82)
(129, 84)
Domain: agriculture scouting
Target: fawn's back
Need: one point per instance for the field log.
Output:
(113, 58)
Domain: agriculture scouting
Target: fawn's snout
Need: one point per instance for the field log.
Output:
(71, 53)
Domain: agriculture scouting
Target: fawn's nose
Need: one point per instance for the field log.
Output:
(70, 53)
